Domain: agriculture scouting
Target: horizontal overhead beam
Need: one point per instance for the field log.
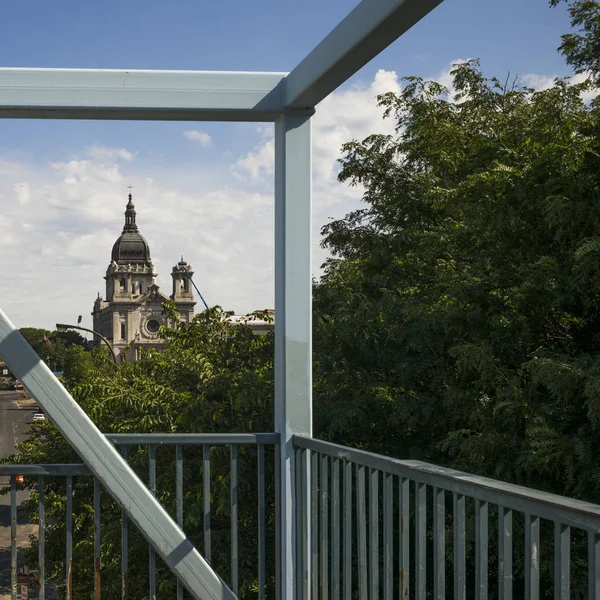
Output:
(140, 95)
(365, 32)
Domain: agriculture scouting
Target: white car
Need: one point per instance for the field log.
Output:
(39, 417)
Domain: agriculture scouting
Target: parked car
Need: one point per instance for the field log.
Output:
(39, 417)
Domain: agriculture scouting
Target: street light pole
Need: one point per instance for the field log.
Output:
(63, 327)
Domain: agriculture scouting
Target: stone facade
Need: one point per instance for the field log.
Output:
(130, 315)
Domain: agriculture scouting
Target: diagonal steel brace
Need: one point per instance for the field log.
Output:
(108, 466)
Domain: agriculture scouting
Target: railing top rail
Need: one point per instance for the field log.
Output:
(212, 439)
(58, 470)
(144, 439)
(577, 513)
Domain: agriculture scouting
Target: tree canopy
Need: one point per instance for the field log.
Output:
(53, 347)
(213, 376)
(459, 312)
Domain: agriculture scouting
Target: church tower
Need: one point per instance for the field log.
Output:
(131, 315)
(183, 295)
(131, 272)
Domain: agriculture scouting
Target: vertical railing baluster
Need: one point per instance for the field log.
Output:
(361, 516)
(261, 522)
(481, 549)
(532, 557)
(96, 539)
(179, 500)
(324, 481)
(314, 523)
(593, 566)
(562, 561)
(305, 532)
(300, 566)
(460, 584)
(404, 541)
(374, 534)
(152, 556)
(42, 540)
(206, 500)
(234, 520)
(13, 538)
(69, 532)
(335, 529)
(347, 531)
(505, 533)
(124, 544)
(421, 541)
(278, 543)
(388, 536)
(439, 544)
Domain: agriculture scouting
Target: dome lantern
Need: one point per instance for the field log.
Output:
(130, 247)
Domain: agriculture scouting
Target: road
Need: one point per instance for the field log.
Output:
(13, 421)
(15, 415)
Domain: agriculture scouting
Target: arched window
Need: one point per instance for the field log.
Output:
(122, 284)
(184, 285)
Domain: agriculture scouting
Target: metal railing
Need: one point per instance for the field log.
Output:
(368, 526)
(375, 527)
(237, 444)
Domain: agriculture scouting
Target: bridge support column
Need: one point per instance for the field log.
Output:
(293, 332)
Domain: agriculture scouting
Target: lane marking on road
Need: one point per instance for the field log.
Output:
(15, 423)
(14, 430)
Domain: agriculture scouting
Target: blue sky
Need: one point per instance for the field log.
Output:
(269, 35)
(207, 194)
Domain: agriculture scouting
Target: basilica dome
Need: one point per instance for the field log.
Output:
(130, 247)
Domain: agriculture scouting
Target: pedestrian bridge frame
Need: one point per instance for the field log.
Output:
(311, 474)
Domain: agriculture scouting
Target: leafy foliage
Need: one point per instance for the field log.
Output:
(212, 377)
(55, 351)
(457, 321)
(581, 48)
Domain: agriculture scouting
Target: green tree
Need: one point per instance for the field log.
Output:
(581, 48)
(212, 377)
(458, 320)
(52, 346)
(459, 315)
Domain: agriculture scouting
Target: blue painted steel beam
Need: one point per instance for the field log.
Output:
(140, 95)
(370, 28)
(293, 341)
(211, 439)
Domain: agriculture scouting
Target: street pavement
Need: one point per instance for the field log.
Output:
(15, 415)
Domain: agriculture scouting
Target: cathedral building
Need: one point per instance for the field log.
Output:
(130, 315)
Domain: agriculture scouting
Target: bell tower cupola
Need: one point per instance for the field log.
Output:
(130, 272)
(182, 284)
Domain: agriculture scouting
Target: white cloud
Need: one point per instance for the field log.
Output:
(544, 82)
(22, 192)
(220, 218)
(198, 136)
(75, 213)
(256, 164)
(58, 221)
(11, 168)
(351, 113)
(103, 153)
